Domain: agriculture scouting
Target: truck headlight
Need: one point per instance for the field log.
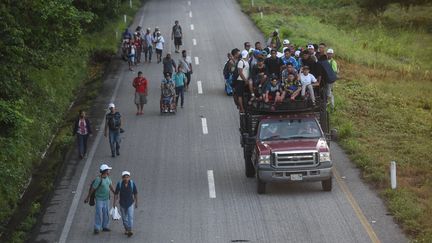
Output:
(264, 159)
(324, 156)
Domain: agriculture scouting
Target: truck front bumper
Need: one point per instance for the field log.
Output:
(267, 173)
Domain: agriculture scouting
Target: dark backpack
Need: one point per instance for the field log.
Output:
(120, 185)
(93, 195)
(227, 70)
(114, 121)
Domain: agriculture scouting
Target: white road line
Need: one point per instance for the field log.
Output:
(204, 125)
(192, 27)
(200, 90)
(80, 187)
(190, 14)
(196, 61)
(141, 20)
(194, 41)
(211, 183)
(189, 3)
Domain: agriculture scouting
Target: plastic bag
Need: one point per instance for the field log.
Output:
(115, 213)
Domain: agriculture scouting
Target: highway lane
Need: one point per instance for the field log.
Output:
(170, 156)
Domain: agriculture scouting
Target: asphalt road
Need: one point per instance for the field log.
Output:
(172, 157)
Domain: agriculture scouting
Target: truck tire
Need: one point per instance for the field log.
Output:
(261, 186)
(249, 168)
(327, 184)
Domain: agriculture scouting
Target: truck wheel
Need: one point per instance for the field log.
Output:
(327, 184)
(249, 168)
(261, 186)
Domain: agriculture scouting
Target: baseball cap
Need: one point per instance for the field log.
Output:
(330, 51)
(286, 42)
(244, 53)
(257, 52)
(297, 53)
(125, 173)
(104, 167)
(111, 105)
(310, 47)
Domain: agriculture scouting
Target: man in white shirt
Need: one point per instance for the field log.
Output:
(307, 81)
(243, 77)
(159, 45)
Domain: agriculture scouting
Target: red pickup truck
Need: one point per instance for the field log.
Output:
(289, 144)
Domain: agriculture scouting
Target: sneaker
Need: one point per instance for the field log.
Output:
(118, 153)
(106, 230)
(96, 232)
(129, 233)
(171, 111)
(113, 155)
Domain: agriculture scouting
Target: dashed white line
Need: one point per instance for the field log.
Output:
(189, 3)
(190, 14)
(196, 61)
(194, 42)
(204, 125)
(192, 27)
(200, 90)
(211, 183)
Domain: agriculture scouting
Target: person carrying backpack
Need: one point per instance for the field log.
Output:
(177, 35)
(112, 128)
(100, 190)
(126, 192)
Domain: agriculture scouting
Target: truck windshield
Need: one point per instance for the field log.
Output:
(289, 129)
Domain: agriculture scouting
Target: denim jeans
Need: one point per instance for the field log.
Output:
(82, 144)
(180, 94)
(114, 140)
(102, 214)
(127, 216)
(309, 87)
(330, 94)
(148, 52)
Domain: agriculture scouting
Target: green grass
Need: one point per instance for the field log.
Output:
(384, 97)
(57, 86)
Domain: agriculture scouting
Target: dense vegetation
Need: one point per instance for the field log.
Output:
(384, 94)
(47, 48)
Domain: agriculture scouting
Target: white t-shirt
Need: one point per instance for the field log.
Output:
(159, 42)
(245, 65)
(306, 80)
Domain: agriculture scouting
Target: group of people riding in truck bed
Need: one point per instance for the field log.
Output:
(280, 72)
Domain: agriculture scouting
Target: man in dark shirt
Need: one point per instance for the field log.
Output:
(273, 64)
(315, 68)
(113, 126)
(127, 191)
(169, 65)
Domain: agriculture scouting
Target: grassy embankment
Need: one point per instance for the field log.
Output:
(78, 75)
(384, 97)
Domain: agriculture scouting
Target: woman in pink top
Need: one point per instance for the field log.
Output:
(82, 129)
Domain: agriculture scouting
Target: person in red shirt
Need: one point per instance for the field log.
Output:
(140, 85)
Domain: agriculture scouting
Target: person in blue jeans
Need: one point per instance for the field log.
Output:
(179, 79)
(112, 128)
(126, 192)
(102, 186)
(82, 128)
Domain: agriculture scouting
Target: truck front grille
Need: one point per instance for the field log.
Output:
(295, 159)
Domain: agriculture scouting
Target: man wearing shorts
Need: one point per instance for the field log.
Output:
(140, 85)
(177, 35)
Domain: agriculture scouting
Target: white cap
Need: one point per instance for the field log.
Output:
(244, 53)
(111, 105)
(104, 167)
(125, 173)
(297, 53)
(286, 42)
(311, 47)
(330, 51)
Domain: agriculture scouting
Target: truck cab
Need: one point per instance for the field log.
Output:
(287, 144)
